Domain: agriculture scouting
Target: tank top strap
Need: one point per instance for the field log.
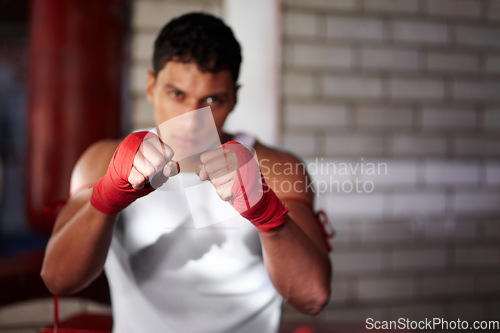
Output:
(245, 139)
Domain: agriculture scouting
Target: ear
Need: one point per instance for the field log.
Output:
(150, 86)
(236, 89)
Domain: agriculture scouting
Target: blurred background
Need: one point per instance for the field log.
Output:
(401, 97)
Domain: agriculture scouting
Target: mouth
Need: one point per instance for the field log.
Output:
(186, 142)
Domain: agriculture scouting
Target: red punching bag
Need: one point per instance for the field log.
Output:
(76, 78)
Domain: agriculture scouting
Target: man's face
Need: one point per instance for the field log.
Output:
(180, 88)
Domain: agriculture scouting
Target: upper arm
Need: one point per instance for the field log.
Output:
(287, 176)
(89, 168)
(92, 165)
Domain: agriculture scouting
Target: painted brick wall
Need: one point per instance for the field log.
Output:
(413, 85)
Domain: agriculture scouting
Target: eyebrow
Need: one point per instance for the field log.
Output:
(217, 94)
(168, 85)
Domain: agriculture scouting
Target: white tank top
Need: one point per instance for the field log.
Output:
(182, 260)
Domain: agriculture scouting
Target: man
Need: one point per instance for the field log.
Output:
(164, 274)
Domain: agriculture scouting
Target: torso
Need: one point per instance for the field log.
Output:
(182, 260)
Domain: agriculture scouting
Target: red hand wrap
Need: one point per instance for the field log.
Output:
(252, 198)
(113, 192)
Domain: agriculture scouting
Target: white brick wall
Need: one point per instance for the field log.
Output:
(354, 205)
(492, 173)
(407, 205)
(391, 6)
(354, 144)
(321, 56)
(451, 173)
(326, 170)
(389, 58)
(384, 233)
(374, 116)
(468, 145)
(418, 145)
(299, 85)
(338, 27)
(448, 118)
(417, 311)
(355, 314)
(386, 289)
(300, 143)
(300, 25)
(417, 259)
(448, 285)
(352, 87)
(323, 4)
(478, 256)
(468, 310)
(357, 261)
(419, 89)
(489, 283)
(142, 43)
(452, 61)
(394, 174)
(492, 230)
(154, 14)
(316, 116)
(493, 10)
(143, 116)
(341, 290)
(413, 84)
(139, 78)
(491, 119)
(455, 8)
(478, 36)
(425, 32)
(476, 90)
(477, 202)
(449, 230)
(493, 63)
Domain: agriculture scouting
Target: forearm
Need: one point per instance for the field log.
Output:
(76, 252)
(298, 268)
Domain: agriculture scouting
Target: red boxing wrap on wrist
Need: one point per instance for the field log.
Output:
(113, 192)
(252, 198)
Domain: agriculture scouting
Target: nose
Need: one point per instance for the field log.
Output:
(192, 121)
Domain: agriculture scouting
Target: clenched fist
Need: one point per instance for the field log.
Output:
(141, 163)
(235, 174)
(152, 163)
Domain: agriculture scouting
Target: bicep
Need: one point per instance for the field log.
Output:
(292, 184)
(89, 168)
(92, 165)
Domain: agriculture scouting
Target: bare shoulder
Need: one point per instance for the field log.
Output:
(284, 172)
(93, 164)
(274, 162)
(274, 155)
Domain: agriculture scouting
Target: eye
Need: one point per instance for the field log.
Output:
(212, 100)
(176, 94)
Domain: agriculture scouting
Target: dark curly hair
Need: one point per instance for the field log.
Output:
(201, 38)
